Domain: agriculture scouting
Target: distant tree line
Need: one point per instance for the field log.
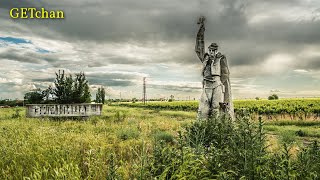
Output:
(10, 103)
(67, 89)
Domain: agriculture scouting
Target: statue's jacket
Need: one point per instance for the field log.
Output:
(212, 71)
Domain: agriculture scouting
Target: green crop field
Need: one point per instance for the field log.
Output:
(163, 140)
(273, 109)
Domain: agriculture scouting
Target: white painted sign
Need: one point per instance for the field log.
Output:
(63, 110)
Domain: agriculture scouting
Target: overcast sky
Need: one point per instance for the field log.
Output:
(271, 46)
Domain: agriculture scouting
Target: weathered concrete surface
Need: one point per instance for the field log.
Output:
(63, 110)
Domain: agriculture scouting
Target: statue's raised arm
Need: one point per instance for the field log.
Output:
(200, 39)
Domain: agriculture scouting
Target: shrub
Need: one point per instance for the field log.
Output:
(215, 148)
(287, 137)
(300, 133)
(134, 100)
(163, 136)
(16, 114)
(126, 134)
(94, 120)
(120, 116)
(273, 97)
(112, 168)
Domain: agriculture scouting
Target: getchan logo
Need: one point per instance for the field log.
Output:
(34, 13)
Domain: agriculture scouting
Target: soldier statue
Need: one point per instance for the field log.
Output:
(216, 96)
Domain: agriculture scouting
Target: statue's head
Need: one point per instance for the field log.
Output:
(213, 49)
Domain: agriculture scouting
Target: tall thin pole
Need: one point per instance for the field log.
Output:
(144, 97)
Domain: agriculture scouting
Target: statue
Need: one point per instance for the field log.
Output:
(216, 95)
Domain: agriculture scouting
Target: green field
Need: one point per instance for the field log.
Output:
(54, 149)
(308, 108)
(161, 142)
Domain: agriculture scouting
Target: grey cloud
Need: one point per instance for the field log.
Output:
(315, 64)
(110, 82)
(24, 3)
(114, 75)
(172, 22)
(122, 60)
(292, 34)
(112, 79)
(43, 79)
(142, 20)
(14, 55)
(175, 88)
(152, 21)
(25, 56)
(8, 84)
(309, 63)
(8, 90)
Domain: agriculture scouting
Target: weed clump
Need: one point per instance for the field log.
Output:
(128, 133)
(94, 120)
(120, 116)
(163, 136)
(16, 114)
(112, 173)
(300, 133)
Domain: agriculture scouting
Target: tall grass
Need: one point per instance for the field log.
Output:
(220, 149)
(129, 143)
(81, 149)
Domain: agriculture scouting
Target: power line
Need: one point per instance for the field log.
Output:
(144, 91)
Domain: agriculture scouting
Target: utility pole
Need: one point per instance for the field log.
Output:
(144, 91)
